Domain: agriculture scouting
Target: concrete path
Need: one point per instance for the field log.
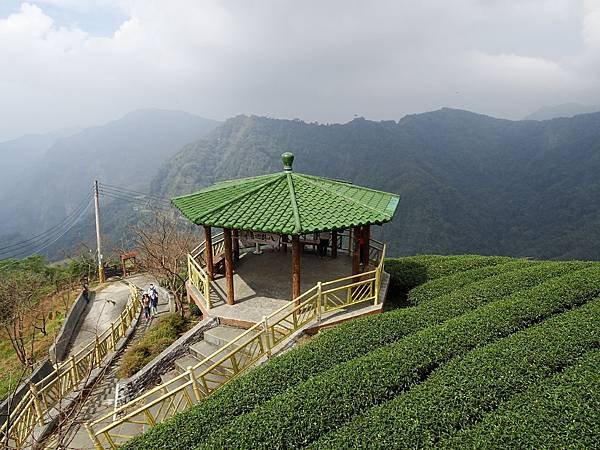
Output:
(109, 301)
(100, 399)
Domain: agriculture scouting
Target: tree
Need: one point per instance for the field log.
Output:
(163, 244)
(20, 291)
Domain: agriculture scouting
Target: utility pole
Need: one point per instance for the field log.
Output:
(101, 277)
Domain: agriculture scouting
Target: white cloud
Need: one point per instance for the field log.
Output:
(315, 60)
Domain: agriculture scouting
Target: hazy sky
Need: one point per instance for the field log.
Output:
(68, 63)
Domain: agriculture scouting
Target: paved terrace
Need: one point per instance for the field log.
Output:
(263, 283)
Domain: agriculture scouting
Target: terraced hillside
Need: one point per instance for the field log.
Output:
(492, 352)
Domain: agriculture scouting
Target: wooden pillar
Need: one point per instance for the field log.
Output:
(296, 250)
(236, 246)
(228, 266)
(334, 238)
(367, 236)
(355, 250)
(208, 254)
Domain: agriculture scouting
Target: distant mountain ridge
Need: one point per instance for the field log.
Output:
(563, 110)
(468, 183)
(59, 172)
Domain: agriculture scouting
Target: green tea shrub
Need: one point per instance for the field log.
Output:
(562, 411)
(412, 271)
(325, 402)
(462, 392)
(336, 346)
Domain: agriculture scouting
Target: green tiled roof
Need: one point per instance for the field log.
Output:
(287, 203)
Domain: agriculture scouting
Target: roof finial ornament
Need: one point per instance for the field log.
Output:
(288, 160)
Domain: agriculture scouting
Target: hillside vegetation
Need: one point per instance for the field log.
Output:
(468, 183)
(488, 347)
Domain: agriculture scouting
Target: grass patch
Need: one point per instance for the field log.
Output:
(162, 334)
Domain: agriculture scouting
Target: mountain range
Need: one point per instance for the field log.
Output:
(468, 183)
(54, 173)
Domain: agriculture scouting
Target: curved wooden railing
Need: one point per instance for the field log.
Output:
(48, 394)
(228, 362)
(197, 274)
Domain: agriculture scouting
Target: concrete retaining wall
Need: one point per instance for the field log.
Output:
(58, 350)
(129, 388)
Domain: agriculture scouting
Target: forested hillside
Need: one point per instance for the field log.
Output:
(48, 185)
(468, 182)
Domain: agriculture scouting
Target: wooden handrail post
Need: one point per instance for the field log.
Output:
(377, 283)
(267, 340)
(97, 350)
(319, 300)
(112, 335)
(73, 369)
(93, 437)
(39, 412)
(195, 386)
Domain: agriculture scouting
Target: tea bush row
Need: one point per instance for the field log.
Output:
(447, 284)
(560, 412)
(327, 401)
(336, 346)
(460, 393)
(411, 271)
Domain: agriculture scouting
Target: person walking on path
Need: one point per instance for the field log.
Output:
(146, 306)
(324, 237)
(153, 294)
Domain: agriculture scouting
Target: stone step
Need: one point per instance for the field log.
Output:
(184, 362)
(222, 335)
(203, 349)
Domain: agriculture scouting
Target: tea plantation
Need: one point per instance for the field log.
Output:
(491, 352)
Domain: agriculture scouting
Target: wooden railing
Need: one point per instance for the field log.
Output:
(49, 393)
(197, 274)
(183, 391)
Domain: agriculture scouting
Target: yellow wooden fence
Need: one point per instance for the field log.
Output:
(50, 392)
(197, 274)
(183, 391)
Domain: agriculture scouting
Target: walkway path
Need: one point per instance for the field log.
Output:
(108, 304)
(100, 399)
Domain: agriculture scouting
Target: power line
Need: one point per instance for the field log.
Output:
(117, 189)
(52, 241)
(50, 233)
(138, 201)
(135, 196)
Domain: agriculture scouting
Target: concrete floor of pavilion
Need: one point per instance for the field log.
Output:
(263, 283)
